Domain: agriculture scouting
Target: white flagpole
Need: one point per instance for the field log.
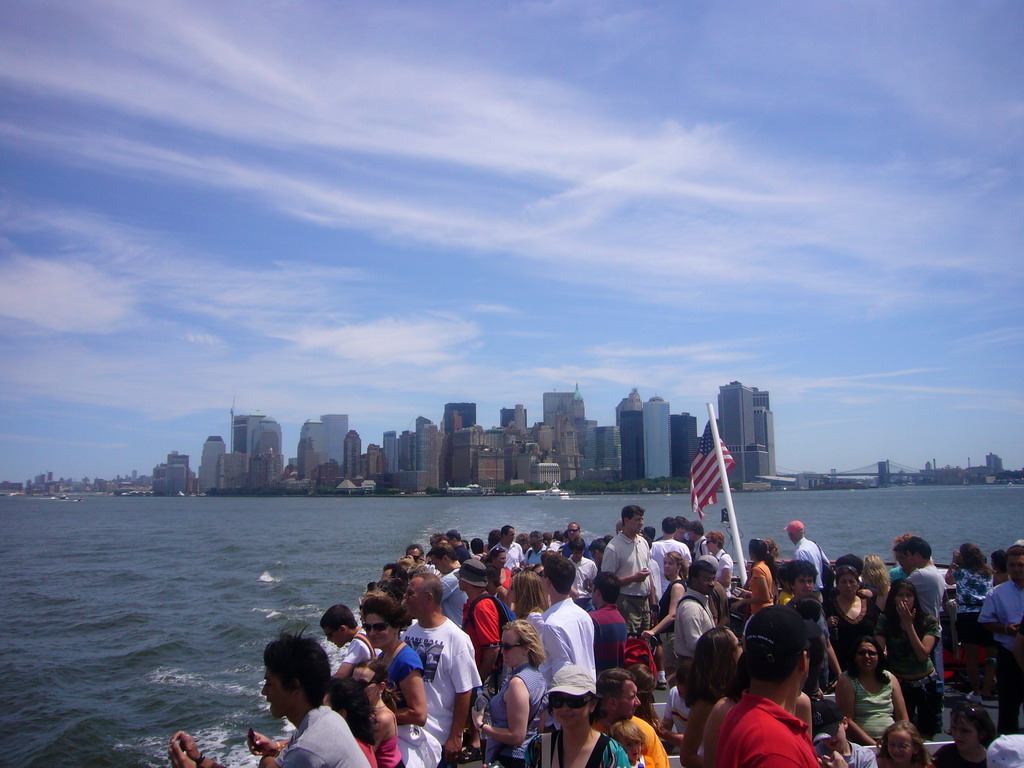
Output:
(741, 570)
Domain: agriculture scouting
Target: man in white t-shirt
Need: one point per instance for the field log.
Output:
(340, 627)
(449, 666)
(568, 632)
(668, 543)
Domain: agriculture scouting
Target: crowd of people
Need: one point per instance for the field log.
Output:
(542, 649)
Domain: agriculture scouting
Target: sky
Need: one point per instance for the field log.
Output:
(305, 207)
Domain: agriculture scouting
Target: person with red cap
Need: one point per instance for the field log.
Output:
(809, 551)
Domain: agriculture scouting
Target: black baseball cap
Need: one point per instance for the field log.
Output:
(778, 632)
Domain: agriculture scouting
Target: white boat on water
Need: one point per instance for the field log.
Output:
(554, 492)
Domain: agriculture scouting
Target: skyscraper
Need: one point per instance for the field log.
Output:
(682, 429)
(391, 452)
(513, 417)
(213, 449)
(335, 429)
(556, 404)
(630, 403)
(353, 454)
(312, 450)
(458, 416)
(747, 429)
(657, 454)
(631, 435)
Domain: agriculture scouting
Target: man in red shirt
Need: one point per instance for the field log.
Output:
(480, 617)
(759, 732)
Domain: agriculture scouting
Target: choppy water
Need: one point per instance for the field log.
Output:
(126, 619)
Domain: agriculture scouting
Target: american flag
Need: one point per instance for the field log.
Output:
(704, 474)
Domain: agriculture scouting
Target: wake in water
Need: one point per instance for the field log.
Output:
(266, 578)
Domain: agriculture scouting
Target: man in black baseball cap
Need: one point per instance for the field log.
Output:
(759, 730)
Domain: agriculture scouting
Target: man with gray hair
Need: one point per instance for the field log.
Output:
(449, 666)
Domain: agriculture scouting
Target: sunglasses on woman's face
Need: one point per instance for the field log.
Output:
(558, 700)
(509, 646)
(380, 626)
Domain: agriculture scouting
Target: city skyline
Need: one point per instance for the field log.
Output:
(370, 210)
(685, 427)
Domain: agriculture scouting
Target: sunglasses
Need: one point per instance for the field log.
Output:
(558, 700)
(509, 646)
(380, 626)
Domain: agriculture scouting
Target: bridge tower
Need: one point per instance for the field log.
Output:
(883, 473)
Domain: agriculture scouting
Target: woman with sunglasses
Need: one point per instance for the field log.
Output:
(374, 675)
(850, 616)
(516, 709)
(572, 701)
(868, 694)
(383, 621)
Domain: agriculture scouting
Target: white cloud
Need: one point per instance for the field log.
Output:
(67, 296)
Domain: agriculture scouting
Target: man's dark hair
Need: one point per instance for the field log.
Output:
(798, 568)
(607, 583)
(299, 661)
(649, 533)
(632, 510)
(915, 545)
(413, 546)
(668, 525)
(697, 527)
(506, 529)
(611, 682)
(561, 572)
(577, 544)
(338, 616)
(443, 550)
(598, 545)
(476, 546)
(681, 522)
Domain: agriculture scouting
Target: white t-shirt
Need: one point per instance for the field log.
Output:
(356, 652)
(568, 637)
(449, 667)
(676, 707)
(661, 546)
(586, 572)
(724, 562)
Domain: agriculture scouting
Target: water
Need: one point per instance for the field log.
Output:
(127, 619)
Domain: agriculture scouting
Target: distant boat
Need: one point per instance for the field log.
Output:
(554, 492)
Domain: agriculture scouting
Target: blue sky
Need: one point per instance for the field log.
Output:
(377, 208)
